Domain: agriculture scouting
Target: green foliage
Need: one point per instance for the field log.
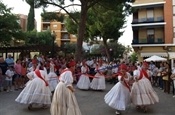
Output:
(52, 16)
(31, 19)
(9, 26)
(31, 15)
(69, 47)
(134, 57)
(117, 50)
(108, 6)
(38, 38)
(71, 26)
(106, 21)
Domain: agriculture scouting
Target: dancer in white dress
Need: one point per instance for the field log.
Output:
(98, 82)
(53, 78)
(64, 101)
(142, 92)
(37, 90)
(119, 96)
(84, 81)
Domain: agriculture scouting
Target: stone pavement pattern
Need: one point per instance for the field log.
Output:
(90, 102)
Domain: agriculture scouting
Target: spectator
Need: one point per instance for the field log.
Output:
(9, 60)
(3, 66)
(9, 74)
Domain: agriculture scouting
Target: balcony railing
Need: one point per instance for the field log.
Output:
(148, 20)
(148, 41)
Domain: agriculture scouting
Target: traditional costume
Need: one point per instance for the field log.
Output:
(119, 96)
(98, 82)
(84, 81)
(64, 101)
(53, 78)
(37, 90)
(142, 92)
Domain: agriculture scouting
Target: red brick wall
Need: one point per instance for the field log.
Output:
(168, 17)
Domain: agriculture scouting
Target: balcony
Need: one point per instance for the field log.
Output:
(148, 20)
(65, 37)
(148, 41)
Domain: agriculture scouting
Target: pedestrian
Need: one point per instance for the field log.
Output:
(119, 96)
(3, 67)
(64, 101)
(84, 81)
(9, 60)
(9, 74)
(173, 79)
(37, 91)
(1, 79)
(142, 92)
(17, 77)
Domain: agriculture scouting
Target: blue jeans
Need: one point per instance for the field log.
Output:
(160, 82)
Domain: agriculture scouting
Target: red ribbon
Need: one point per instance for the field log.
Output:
(125, 83)
(143, 72)
(37, 72)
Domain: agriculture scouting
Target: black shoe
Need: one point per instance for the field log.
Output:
(30, 107)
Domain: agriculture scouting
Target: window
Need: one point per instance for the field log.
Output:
(173, 2)
(150, 35)
(55, 26)
(174, 10)
(173, 21)
(65, 36)
(150, 15)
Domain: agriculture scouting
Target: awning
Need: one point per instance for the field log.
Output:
(171, 55)
(162, 54)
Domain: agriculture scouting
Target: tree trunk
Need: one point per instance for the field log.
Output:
(106, 49)
(81, 31)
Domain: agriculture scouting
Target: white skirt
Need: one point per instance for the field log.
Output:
(83, 82)
(98, 83)
(35, 92)
(118, 97)
(53, 83)
(64, 101)
(142, 93)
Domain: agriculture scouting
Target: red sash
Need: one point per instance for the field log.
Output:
(63, 72)
(37, 72)
(143, 72)
(125, 83)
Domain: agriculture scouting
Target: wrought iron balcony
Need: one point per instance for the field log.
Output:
(148, 20)
(148, 41)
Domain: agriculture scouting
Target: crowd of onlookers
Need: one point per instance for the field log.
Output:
(13, 72)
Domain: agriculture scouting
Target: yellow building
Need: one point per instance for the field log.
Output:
(62, 35)
(154, 28)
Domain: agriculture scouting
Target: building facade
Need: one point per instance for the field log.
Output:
(61, 34)
(23, 21)
(153, 28)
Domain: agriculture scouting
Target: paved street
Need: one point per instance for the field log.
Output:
(90, 102)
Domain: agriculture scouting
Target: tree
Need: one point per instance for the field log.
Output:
(133, 57)
(117, 50)
(9, 26)
(106, 23)
(31, 15)
(52, 16)
(38, 38)
(85, 5)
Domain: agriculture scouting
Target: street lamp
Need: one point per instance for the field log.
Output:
(53, 34)
(111, 54)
